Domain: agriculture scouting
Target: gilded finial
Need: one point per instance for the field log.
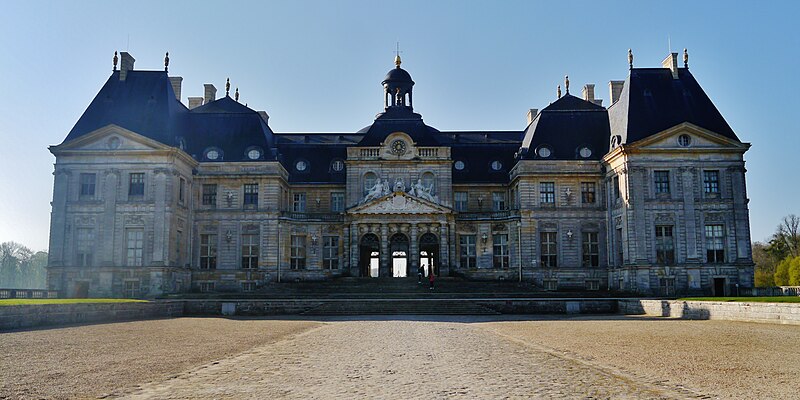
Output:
(166, 62)
(630, 59)
(115, 61)
(228, 87)
(397, 60)
(236, 95)
(685, 58)
(558, 92)
(566, 83)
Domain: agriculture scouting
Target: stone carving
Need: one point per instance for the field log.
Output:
(134, 220)
(399, 185)
(376, 191)
(382, 188)
(419, 190)
(399, 203)
(85, 221)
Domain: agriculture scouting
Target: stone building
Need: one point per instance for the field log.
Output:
(152, 196)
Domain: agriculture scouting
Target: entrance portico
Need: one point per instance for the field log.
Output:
(405, 231)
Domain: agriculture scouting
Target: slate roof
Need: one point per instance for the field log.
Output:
(565, 126)
(652, 101)
(399, 119)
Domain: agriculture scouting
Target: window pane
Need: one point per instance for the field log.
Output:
(549, 251)
(547, 192)
(661, 181)
(500, 250)
(251, 194)
(136, 184)
(87, 184)
(210, 195)
(587, 192)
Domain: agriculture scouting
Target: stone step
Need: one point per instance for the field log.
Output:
(400, 307)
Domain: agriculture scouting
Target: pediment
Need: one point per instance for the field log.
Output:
(700, 139)
(111, 138)
(399, 203)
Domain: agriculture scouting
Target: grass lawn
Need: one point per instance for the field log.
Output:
(774, 299)
(22, 302)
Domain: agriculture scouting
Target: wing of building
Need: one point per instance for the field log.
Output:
(154, 197)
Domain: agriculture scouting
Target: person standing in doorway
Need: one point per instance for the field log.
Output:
(431, 277)
(420, 273)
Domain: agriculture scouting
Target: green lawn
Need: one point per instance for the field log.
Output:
(21, 302)
(775, 299)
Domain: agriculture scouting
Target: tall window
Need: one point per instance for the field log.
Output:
(500, 250)
(591, 249)
(616, 187)
(298, 252)
(182, 190)
(711, 181)
(498, 201)
(330, 252)
(460, 200)
(715, 244)
(467, 249)
(251, 195)
(85, 241)
(136, 184)
(132, 289)
(208, 251)
(250, 251)
(299, 202)
(549, 250)
(87, 185)
(665, 245)
(588, 192)
(547, 193)
(661, 179)
(135, 246)
(210, 195)
(337, 202)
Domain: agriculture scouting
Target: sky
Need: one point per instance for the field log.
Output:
(316, 66)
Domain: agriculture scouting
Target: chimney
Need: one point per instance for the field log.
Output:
(176, 85)
(264, 116)
(671, 62)
(588, 92)
(125, 65)
(532, 114)
(614, 90)
(210, 93)
(195, 102)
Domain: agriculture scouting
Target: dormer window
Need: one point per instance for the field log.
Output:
(684, 140)
(213, 154)
(254, 153)
(496, 165)
(459, 165)
(544, 151)
(585, 152)
(301, 165)
(337, 165)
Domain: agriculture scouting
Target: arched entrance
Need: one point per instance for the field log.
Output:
(429, 252)
(398, 247)
(369, 252)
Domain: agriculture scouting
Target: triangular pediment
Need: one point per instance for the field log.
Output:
(399, 203)
(700, 139)
(111, 138)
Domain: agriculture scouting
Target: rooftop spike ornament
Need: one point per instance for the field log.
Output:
(166, 62)
(630, 59)
(115, 61)
(685, 58)
(566, 83)
(397, 61)
(228, 87)
(558, 91)
(236, 95)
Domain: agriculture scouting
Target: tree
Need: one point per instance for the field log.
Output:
(765, 263)
(20, 268)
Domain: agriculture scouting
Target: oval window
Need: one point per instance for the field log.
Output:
(254, 154)
(585, 152)
(497, 165)
(301, 165)
(684, 140)
(544, 152)
(337, 165)
(459, 165)
(212, 154)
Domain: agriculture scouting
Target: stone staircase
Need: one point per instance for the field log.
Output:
(400, 307)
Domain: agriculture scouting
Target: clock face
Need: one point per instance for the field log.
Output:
(398, 147)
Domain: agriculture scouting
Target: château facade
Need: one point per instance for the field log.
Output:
(153, 196)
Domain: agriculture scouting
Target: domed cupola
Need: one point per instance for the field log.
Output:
(397, 88)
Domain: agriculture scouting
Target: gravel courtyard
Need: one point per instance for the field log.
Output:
(436, 357)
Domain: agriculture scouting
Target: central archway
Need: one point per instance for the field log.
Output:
(369, 249)
(429, 252)
(398, 247)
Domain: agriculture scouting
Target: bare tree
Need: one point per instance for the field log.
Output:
(788, 233)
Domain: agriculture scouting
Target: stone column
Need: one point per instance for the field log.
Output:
(741, 220)
(58, 225)
(354, 251)
(413, 248)
(444, 251)
(452, 245)
(160, 198)
(687, 175)
(108, 228)
(385, 269)
(346, 251)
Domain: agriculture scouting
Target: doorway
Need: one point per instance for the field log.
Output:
(369, 255)
(81, 289)
(719, 286)
(398, 245)
(429, 253)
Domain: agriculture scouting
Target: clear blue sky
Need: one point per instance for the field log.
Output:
(317, 67)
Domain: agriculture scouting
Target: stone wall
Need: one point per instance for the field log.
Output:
(780, 313)
(30, 316)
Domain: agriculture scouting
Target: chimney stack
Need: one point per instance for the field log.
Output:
(195, 102)
(532, 114)
(588, 92)
(176, 85)
(125, 65)
(615, 90)
(210, 93)
(671, 62)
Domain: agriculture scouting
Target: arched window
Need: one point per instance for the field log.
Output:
(369, 181)
(429, 181)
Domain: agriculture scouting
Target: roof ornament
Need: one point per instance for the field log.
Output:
(397, 52)
(228, 87)
(566, 83)
(236, 95)
(559, 91)
(630, 59)
(115, 61)
(685, 58)
(166, 62)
